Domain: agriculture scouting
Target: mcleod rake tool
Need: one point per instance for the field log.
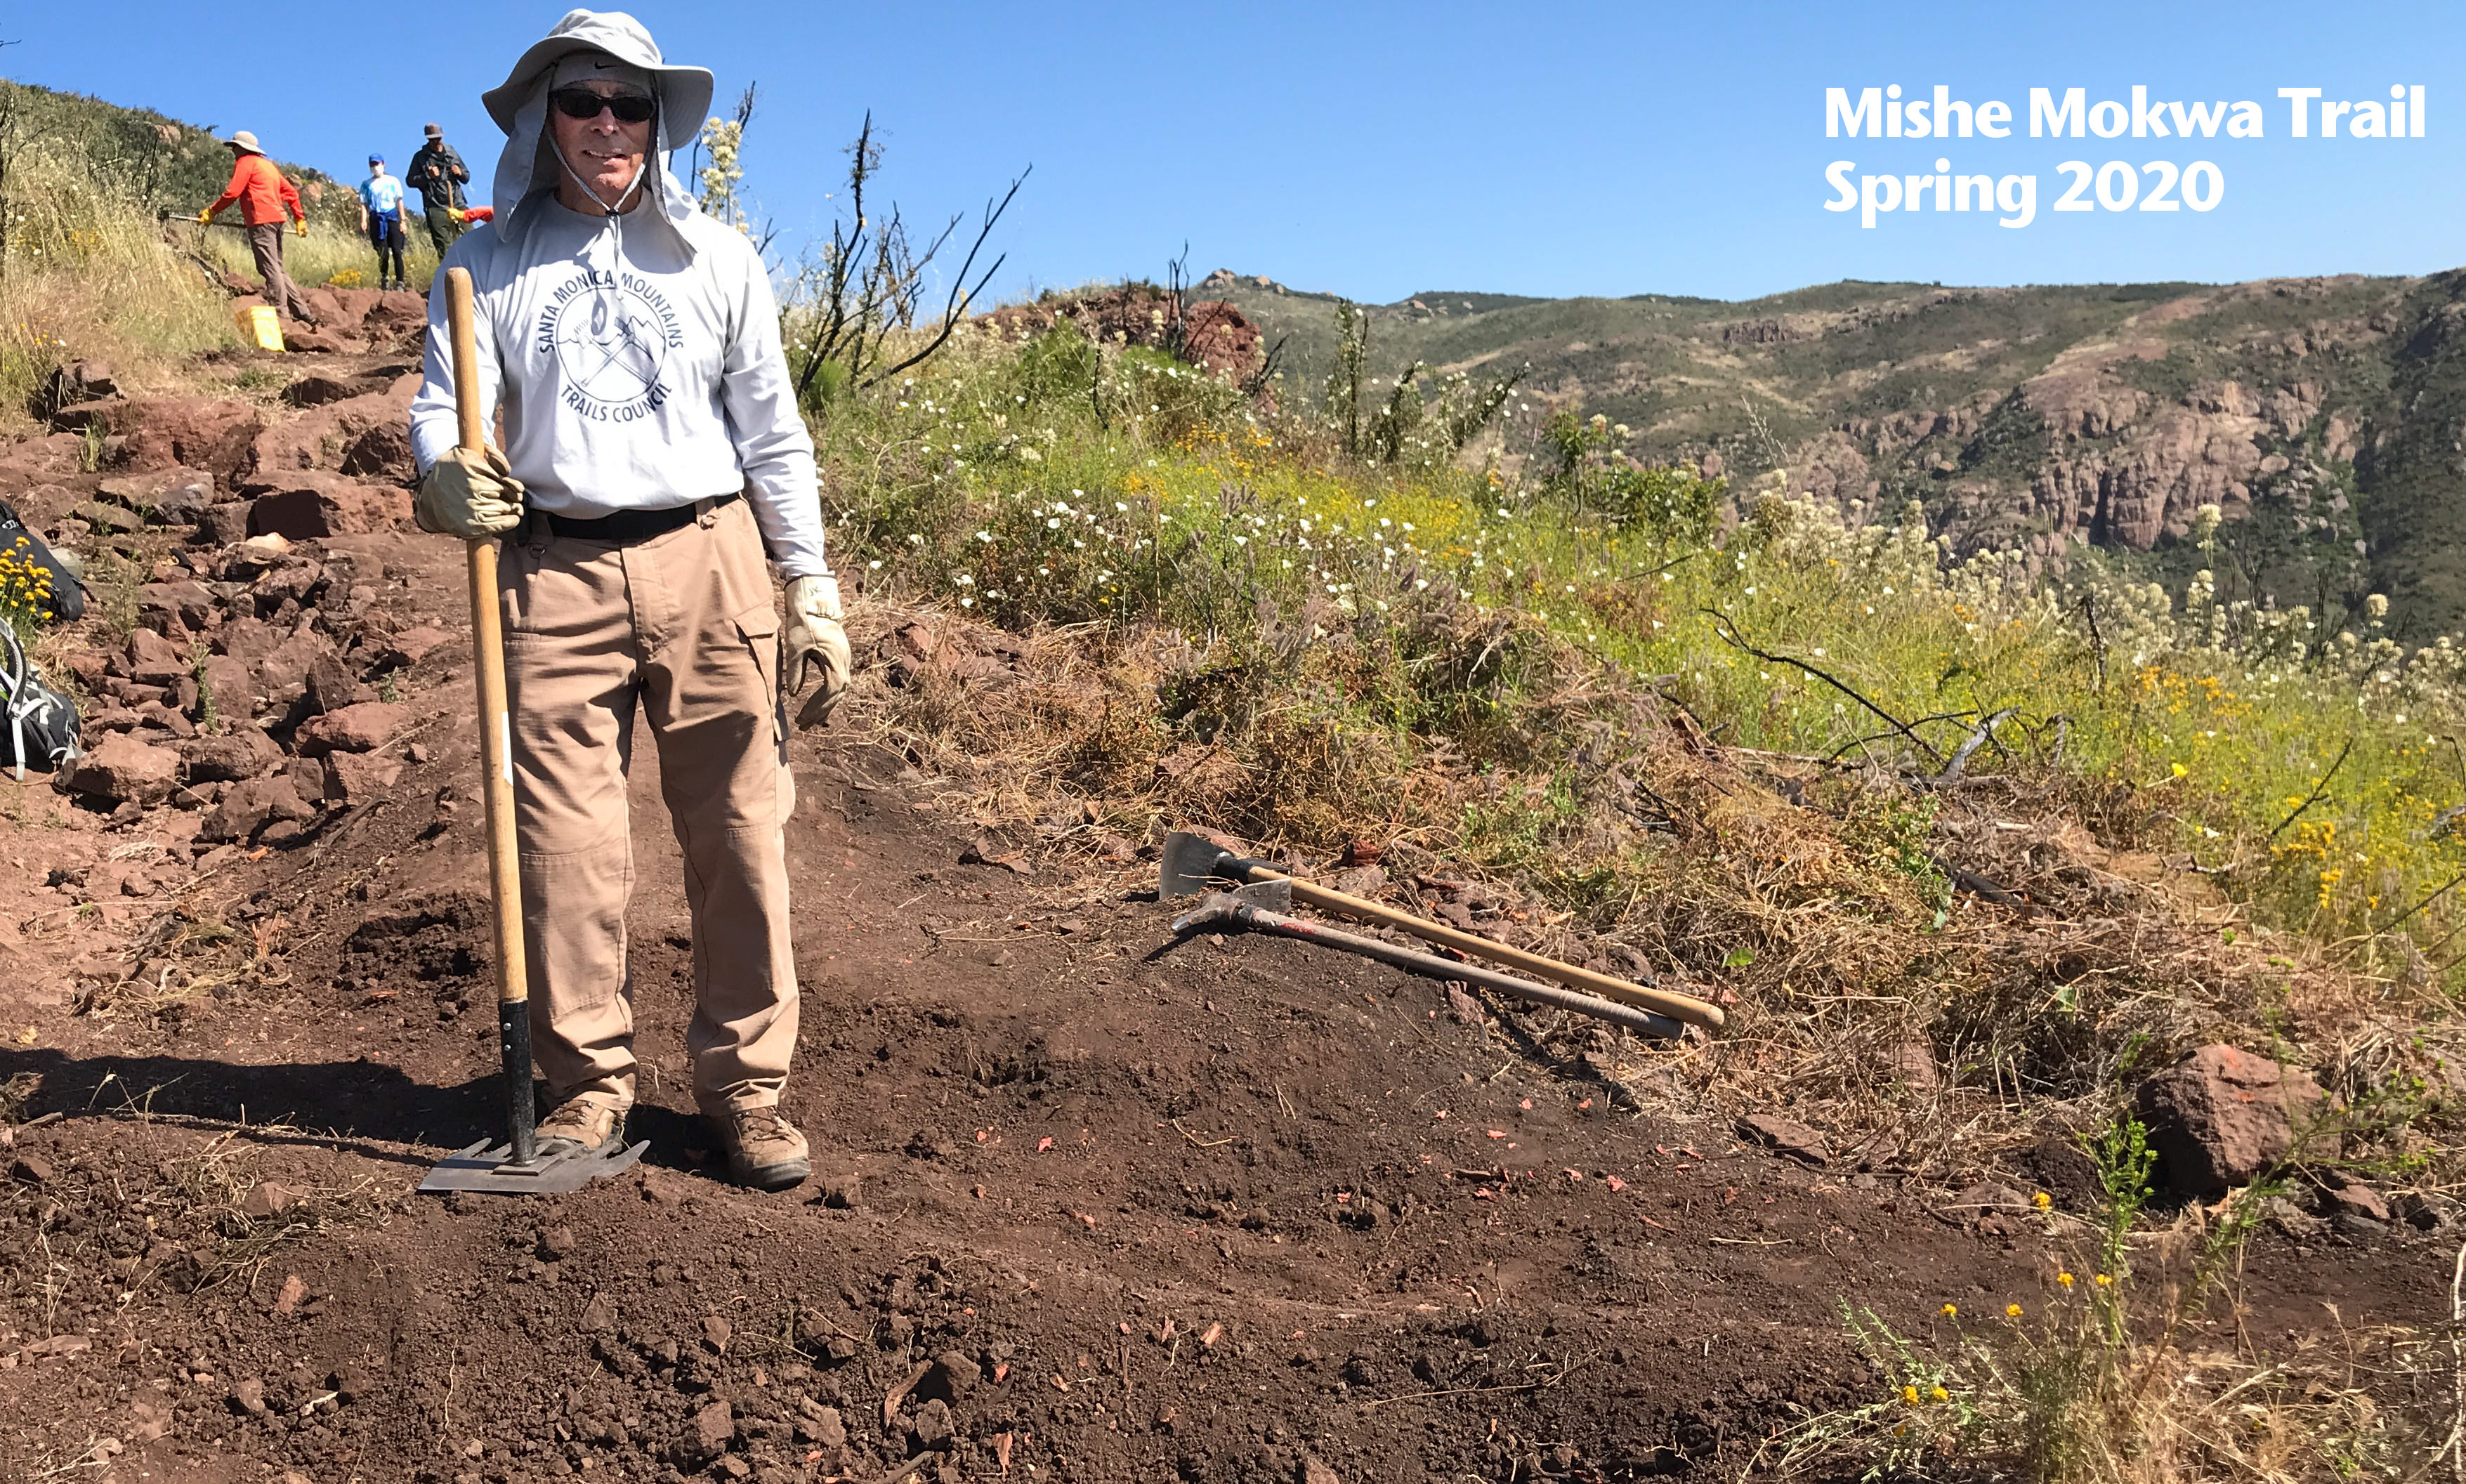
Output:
(514, 1167)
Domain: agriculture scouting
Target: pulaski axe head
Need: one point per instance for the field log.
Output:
(1192, 863)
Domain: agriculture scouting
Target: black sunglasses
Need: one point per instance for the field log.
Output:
(584, 103)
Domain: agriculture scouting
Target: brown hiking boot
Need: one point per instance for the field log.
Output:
(764, 1149)
(578, 1124)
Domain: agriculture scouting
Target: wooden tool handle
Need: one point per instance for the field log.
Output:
(488, 652)
(1677, 1006)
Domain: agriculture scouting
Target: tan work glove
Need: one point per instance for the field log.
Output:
(814, 642)
(473, 495)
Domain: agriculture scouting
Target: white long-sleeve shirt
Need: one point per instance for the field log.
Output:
(633, 377)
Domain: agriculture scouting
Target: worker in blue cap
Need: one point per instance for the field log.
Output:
(381, 219)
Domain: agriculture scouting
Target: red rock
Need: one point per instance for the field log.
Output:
(1784, 1136)
(397, 313)
(155, 660)
(125, 770)
(2341, 1193)
(317, 438)
(312, 505)
(249, 807)
(316, 390)
(188, 604)
(237, 755)
(358, 778)
(169, 497)
(230, 685)
(383, 452)
(321, 342)
(713, 1429)
(1215, 335)
(324, 302)
(221, 524)
(332, 686)
(188, 432)
(163, 718)
(96, 415)
(267, 1199)
(2223, 1116)
(147, 1420)
(413, 646)
(351, 306)
(363, 727)
(83, 381)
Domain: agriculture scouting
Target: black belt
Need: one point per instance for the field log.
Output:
(630, 525)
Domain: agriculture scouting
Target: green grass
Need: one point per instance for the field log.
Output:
(988, 485)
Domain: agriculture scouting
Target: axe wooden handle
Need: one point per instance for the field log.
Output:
(1679, 1007)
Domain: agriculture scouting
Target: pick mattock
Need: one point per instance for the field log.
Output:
(1262, 907)
(1193, 863)
(513, 1167)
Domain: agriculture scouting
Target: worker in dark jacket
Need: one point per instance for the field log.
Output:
(439, 175)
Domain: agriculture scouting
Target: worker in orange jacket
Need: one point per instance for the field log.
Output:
(265, 198)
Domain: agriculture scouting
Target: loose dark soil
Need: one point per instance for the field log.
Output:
(1088, 1204)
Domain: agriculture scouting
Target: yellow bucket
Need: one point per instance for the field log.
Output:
(260, 326)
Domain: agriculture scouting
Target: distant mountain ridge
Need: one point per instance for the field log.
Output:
(2325, 416)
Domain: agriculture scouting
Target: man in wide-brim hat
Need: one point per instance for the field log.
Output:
(654, 456)
(265, 199)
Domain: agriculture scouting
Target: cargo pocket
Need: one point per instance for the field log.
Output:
(759, 629)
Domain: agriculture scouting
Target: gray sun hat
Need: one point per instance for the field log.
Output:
(683, 92)
(530, 165)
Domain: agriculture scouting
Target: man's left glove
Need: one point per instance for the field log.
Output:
(815, 643)
(206, 217)
(300, 226)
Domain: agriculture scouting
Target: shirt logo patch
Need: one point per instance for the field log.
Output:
(611, 335)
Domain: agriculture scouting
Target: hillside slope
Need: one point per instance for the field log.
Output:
(2321, 415)
(159, 160)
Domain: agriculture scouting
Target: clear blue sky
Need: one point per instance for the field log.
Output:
(1381, 150)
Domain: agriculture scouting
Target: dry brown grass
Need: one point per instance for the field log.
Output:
(1937, 978)
(91, 276)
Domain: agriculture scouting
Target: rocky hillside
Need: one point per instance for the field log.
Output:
(2323, 415)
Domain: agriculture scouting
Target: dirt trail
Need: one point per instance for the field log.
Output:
(1088, 1205)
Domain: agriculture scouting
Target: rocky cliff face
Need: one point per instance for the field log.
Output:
(2119, 438)
(2326, 417)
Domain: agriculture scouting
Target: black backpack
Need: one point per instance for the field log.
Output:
(42, 723)
(68, 594)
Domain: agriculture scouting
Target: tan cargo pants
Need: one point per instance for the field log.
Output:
(682, 625)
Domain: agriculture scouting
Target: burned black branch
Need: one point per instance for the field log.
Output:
(962, 296)
(1730, 634)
